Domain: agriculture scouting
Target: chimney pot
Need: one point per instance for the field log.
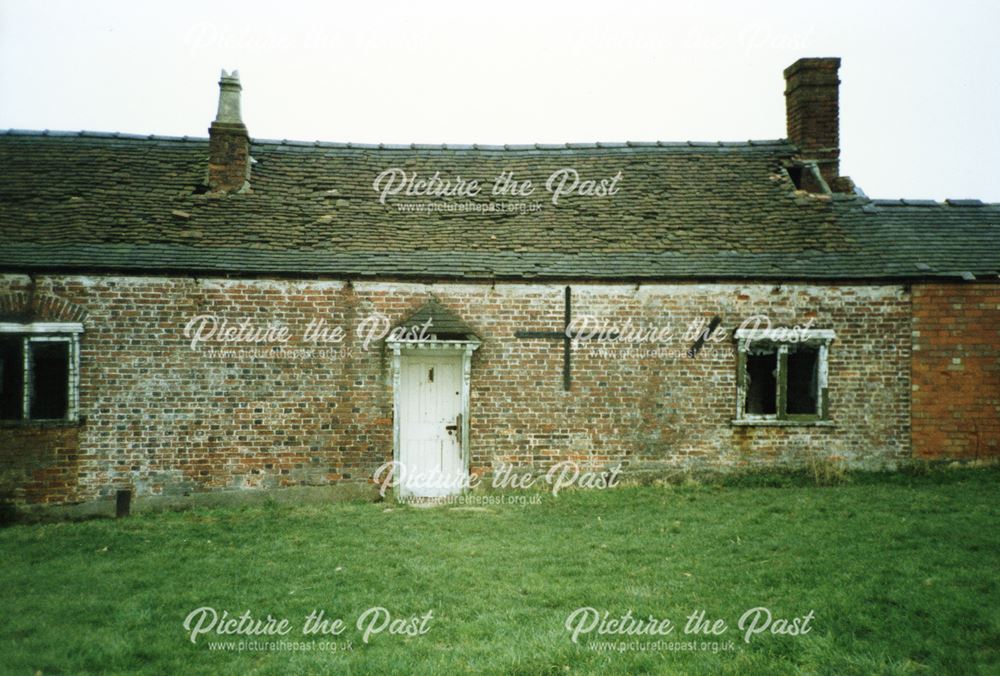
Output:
(229, 98)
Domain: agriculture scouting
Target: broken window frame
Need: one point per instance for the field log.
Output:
(745, 342)
(47, 332)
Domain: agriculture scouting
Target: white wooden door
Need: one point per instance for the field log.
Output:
(430, 429)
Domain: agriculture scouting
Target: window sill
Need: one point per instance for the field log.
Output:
(782, 423)
(41, 424)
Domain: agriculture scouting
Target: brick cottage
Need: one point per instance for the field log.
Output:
(182, 315)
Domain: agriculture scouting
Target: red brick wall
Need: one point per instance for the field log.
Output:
(40, 465)
(956, 371)
(164, 419)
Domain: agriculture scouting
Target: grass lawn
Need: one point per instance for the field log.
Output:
(900, 574)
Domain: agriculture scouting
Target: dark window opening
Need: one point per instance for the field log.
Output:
(795, 173)
(49, 395)
(802, 380)
(761, 383)
(11, 377)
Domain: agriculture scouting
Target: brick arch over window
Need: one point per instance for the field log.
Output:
(26, 306)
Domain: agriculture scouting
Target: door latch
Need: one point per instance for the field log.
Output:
(456, 427)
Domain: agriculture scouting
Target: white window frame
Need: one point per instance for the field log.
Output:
(819, 338)
(48, 332)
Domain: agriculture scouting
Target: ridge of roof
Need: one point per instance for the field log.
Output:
(752, 144)
(924, 203)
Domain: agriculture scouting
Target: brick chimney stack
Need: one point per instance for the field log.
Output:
(229, 143)
(812, 112)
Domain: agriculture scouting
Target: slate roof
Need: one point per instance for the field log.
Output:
(90, 201)
(443, 322)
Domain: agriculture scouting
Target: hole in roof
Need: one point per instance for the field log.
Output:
(201, 189)
(795, 173)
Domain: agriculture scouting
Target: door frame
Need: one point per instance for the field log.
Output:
(457, 348)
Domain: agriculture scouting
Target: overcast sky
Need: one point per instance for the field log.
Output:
(920, 99)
